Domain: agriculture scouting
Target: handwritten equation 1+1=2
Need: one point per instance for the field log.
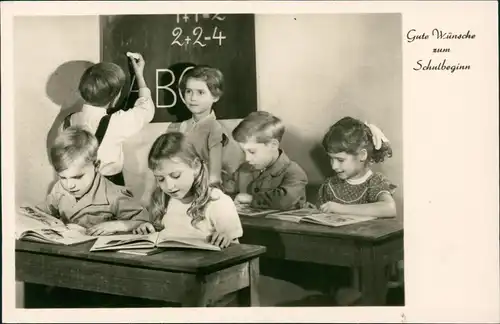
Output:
(200, 37)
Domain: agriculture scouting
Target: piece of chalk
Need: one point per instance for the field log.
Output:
(133, 55)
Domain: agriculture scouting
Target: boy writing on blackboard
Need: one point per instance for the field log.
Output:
(100, 87)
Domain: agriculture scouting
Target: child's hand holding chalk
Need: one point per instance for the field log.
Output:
(137, 62)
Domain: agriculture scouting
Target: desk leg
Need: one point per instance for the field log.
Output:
(238, 283)
(373, 278)
(249, 296)
(196, 297)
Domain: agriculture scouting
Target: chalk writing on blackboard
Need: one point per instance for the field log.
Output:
(161, 75)
(224, 41)
(168, 87)
(185, 17)
(200, 37)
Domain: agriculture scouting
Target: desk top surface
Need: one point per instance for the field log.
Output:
(373, 230)
(186, 261)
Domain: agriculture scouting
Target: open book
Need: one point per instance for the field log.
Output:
(150, 241)
(32, 224)
(309, 215)
(150, 251)
(246, 210)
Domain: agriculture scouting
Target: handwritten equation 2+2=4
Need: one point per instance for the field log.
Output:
(197, 32)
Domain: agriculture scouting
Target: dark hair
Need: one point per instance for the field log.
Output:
(101, 83)
(261, 125)
(211, 76)
(351, 135)
(167, 146)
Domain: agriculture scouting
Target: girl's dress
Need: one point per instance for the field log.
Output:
(207, 133)
(360, 191)
(220, 215)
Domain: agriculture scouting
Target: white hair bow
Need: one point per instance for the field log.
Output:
(377, 136)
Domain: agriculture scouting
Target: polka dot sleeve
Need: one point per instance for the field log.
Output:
(323, 195)
(377, 185)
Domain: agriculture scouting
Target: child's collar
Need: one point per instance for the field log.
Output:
(94, 109)
(361, 180)
(207, 117)
(278, 166)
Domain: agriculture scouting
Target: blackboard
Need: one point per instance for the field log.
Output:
(172, 43)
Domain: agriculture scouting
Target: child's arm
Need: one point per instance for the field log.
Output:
(215, 164)
(383, 207)
(291, 190)
(223, 214)
(133, 120)
(322, 196)
(216, 140)
(129, 213)
(149, 188)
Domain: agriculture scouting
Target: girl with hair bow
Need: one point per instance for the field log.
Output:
(353, 146)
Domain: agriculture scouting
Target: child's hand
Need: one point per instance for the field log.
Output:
(243, 199)
(137, 62)
(220, 240)
(144, 228)
(106, 228)
(330, 207)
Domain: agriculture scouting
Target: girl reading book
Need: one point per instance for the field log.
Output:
(354, 189)
(183, 202)
(353, 146)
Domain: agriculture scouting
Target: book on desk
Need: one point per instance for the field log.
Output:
(149, 243)
(33, 224)
(246, 210)
(309, 215)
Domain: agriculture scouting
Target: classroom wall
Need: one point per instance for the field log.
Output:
(311, 71)
(50, 54)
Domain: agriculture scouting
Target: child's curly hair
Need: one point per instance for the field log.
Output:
(350, 135)
(173, 145)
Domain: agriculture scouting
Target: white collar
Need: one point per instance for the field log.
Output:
(89, 109)
(360, 180)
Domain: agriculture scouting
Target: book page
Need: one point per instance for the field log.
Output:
(246, 210)
(169, 239)
(285, 217)
(301, 212)
(188, 243)
(336, 220)
(32, 222)
(295, 215)
(114, 242)
(33, 218)
(145, 251)
(55, 235)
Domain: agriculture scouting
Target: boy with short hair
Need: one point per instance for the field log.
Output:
(268, 179)
(82, 195)
(101, 86)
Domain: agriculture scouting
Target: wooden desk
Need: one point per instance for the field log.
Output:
(191, 278)
(366, 247)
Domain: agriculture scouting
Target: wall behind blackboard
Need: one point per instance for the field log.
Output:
(172, 43)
